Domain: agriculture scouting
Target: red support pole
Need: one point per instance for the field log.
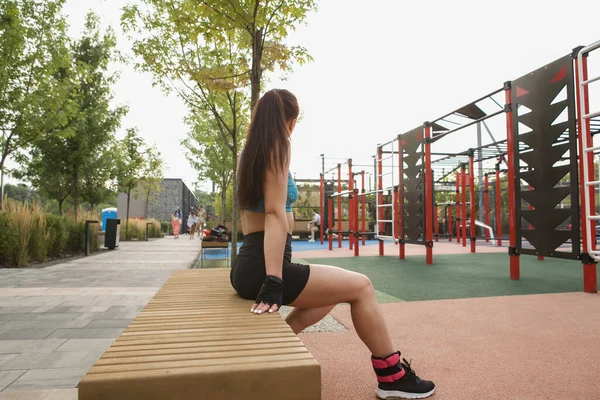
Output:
(321, 200)
(396, 203)
(458, 217)
(356, 246)
(436, 221)
(330, 222)
(339, 213)
(590, 282)
(463, 179)
(498, 206)
(486, 202)
(515, 262)
(380, 226)
(351, 208)
(402, 249)
(472, 201)
(428, 197)
(363, 214)
(449, 224)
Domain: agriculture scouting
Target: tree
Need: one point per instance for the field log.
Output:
(20, 192)
(152, 177)
(260, 26)
(75, 160)
(35, 96)
(130, 165)
(209, 154)
(208, 76)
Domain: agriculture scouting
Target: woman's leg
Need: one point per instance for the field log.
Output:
(301, 318)
(328, 286)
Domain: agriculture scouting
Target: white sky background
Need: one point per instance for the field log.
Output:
(380, 68)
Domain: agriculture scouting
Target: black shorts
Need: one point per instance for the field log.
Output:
(248, 272)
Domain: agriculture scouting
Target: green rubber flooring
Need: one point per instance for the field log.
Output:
(461, 276)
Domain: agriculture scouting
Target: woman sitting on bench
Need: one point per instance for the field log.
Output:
(263, 270)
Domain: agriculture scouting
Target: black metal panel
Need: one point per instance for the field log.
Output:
(412, 191)
(543, 105)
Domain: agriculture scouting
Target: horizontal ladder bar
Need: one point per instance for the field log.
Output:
(385, 205)
(594, 218)
(591, 80)
(387, 173)
(592, 149)
(388, 220)
(593, 183)
(591, 115)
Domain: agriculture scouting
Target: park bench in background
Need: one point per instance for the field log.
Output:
(196, 339)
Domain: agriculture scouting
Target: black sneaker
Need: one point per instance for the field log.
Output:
(410, 386)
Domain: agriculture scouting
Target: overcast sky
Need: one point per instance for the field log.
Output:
(380, 68)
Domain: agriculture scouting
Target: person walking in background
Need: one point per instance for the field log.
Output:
(175, 224)
(201, 221)
(191, 222)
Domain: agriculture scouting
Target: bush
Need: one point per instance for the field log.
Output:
(58, 236)
(75, 236)
(166, 228)
(137, 229)
(20, 222)
(8, 239)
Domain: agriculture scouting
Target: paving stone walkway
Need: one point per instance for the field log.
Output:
(55, 322)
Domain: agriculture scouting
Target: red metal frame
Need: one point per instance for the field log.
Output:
(339, 216)
(402, 245)
(396, 202)
(380, 227)
(355, 222)
(321, 199)
(590, 282)
(428, 197)
(351, 208)
(458, 217)
(330, 215)
(498, 206)
(486, 205)
(472, 201)
(515, 262)
(463, 183)
(363, 198)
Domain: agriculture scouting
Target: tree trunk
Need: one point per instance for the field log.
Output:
(1, 186)
(60, 204)
(127, 215)
(234, 211)
(223, 202)
(74, 182)
(146, 205)
(256, 72)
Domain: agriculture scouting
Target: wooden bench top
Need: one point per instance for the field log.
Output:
(221, 245)
(196, 339)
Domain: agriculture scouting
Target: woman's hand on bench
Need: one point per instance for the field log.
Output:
(270, 296)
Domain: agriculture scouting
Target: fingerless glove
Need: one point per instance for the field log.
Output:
(271, 292)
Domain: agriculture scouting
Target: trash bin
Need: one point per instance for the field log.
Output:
(113, 233)
(106, 214)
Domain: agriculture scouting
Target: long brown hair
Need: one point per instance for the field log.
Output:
(267, 144)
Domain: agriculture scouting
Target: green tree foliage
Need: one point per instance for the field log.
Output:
(130, 168)
(76, 161)
(35, 98)
(153, 175)
(20, 192)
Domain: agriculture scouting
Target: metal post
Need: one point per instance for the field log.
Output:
(355, 221)
(330, 225)
(339, 199)
(498, 206)
(436, 222)
(515, 267)
(364, 210)
(402, 249)
(351, 208)
(428, 196)
(472, 201)
(463, 179)
(458, 217)
(321, 209)
(480, 177)
(449, 223)
(486, 195)
(380, 226)
(590, 283)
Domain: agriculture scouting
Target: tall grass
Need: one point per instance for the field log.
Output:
(137, 229)
(28, 234)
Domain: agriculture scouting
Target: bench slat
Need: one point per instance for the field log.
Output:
(196, 339)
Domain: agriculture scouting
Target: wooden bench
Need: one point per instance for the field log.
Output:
(214, 245)
(196, 339)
